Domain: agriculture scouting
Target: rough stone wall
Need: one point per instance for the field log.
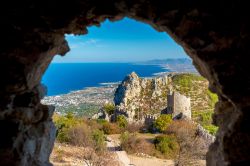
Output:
(179, 106)
(215, 34)
(147, 119)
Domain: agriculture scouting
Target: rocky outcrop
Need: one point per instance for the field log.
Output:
(205, 134)
(137, 97)
(178, 94)
(102, 114)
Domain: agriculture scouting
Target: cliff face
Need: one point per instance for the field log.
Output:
(137, 97)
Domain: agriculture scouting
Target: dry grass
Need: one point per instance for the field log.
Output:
(64, 154)
(111, 128)
(80, 135)
(132, 144)
(192, 147)
(134, 127)
(69, 155)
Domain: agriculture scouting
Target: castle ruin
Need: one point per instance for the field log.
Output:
(178, 105)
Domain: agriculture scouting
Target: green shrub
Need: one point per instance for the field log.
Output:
(211, 129)
(167, 145)
(101, 121)
(205, 119)
(72, 130)
(109, 108)
(128, 142)
(124, 136)
(79, 132)
(213, 98)
(121, 121)
(185, 82)
(162, 122)
(99, 140)
(63, 124)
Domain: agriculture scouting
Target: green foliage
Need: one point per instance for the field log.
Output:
(185, 82)
(164, 94)
(167, 145)
(162, 122)
(99, 140)
(121, 121)
(205, 119)
(101, 121)
(211, 129)
(109, 108)
(84, 109)
(213, 98)
(69, 115)
(80, 132)
(202, 100)
(124, 136)
(63, 124)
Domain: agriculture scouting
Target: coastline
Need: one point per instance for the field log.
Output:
(168, 70)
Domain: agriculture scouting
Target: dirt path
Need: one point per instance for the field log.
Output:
(143, 161)
(113, 146)
(132, 160)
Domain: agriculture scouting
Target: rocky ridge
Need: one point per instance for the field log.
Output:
(138, 97)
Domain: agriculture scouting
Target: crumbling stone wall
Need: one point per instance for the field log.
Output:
(179, 106)
(215, 34)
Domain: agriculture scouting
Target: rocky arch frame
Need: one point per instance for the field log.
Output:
(215, 34)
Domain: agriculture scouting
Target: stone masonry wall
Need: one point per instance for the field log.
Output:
(179, 105)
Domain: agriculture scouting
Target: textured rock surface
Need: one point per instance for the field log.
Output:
(175, 93)
(215, 34)
(138, 97)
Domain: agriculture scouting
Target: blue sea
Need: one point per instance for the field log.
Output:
(61, 78)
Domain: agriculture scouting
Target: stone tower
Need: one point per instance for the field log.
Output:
(178, 105)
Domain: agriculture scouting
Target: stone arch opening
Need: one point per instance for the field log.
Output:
(212, 34)
(140, 115)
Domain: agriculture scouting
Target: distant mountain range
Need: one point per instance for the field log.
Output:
(168, 61)
(179, 65)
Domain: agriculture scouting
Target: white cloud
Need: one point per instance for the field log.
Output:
(89, 42)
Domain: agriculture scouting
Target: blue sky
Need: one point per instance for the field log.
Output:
(126, 40)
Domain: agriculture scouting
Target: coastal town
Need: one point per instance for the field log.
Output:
(91, 98)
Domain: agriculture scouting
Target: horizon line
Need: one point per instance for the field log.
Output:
(122, 61)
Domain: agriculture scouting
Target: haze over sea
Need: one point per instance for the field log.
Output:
(61, 78)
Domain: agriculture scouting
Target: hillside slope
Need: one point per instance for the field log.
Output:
(148, 96)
